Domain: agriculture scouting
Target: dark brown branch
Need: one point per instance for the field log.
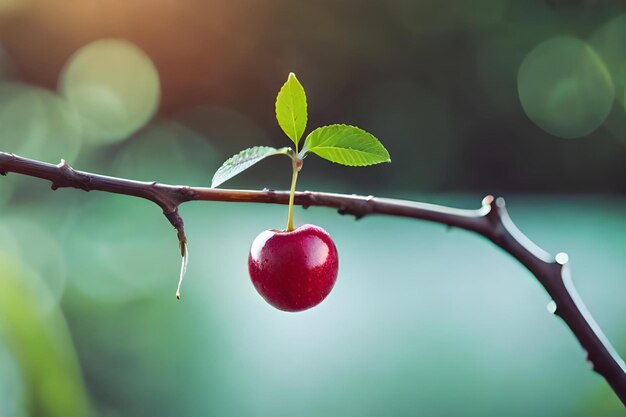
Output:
(491, 221)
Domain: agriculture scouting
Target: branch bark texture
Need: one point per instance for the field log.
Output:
(491, 220)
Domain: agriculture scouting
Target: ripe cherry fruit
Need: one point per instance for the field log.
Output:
(296, 269)
(293, 270)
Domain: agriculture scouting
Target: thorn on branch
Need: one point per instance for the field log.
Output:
(308, 197)
(365, 207)
(497, 210)
(561, 258)
(589, 361)
(358, 215)
(495, 205)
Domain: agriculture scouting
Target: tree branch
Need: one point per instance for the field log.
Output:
(491, 221)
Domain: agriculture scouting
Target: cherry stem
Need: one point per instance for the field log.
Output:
(296, 164)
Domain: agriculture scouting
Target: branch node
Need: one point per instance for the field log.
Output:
(493, 213)
(177, 221)
(187, 193)
(590, 363)
(494, 216)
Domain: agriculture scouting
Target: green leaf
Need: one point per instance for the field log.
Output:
(346, 145)
(291, 109)
(244, 160)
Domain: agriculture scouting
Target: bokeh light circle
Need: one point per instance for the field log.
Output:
(610, 43)
(565, 87)
(38, 123)
(115, 87)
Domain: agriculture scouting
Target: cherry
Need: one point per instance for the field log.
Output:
(293, 270)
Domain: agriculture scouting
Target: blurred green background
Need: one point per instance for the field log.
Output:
(525, 99)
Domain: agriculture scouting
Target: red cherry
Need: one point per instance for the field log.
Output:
(294, 270)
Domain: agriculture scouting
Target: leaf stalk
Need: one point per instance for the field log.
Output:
(296, 165)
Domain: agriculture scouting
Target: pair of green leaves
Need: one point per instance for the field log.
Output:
(342, 144)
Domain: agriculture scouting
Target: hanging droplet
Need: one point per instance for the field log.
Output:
(183, 269)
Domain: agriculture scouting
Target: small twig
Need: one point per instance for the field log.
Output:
(491, 221)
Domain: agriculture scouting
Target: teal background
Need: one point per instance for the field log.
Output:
(422, 320)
